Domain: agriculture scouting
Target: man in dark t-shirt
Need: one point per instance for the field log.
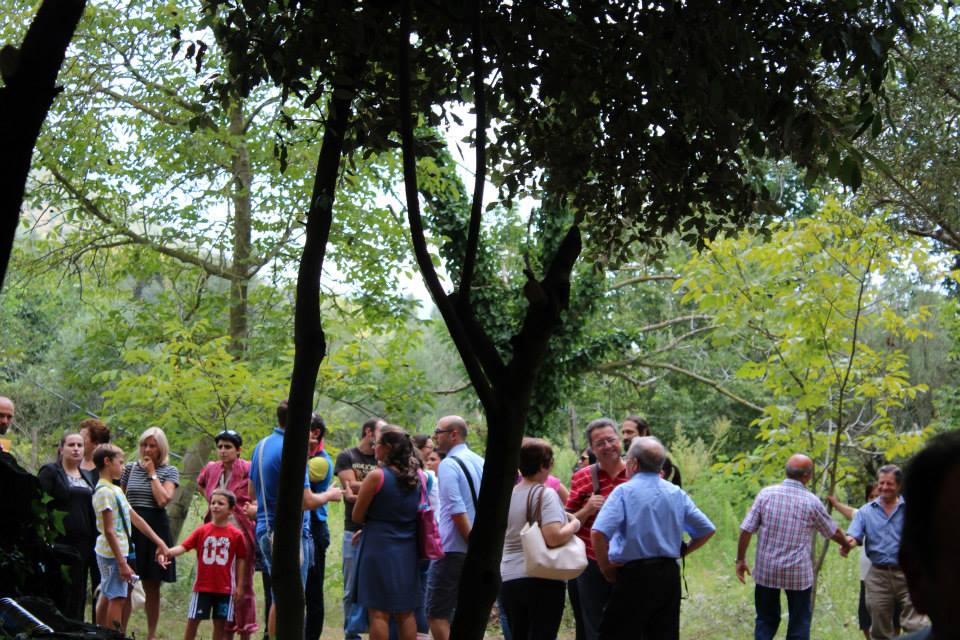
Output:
(352, 467)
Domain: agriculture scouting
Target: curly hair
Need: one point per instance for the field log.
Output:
(99, 433)
(402, 456)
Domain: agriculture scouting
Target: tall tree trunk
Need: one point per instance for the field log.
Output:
(240, 195)
(30, 76)
(310, 349)
(193, 463)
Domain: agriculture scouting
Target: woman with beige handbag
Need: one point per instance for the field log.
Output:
(533, 592)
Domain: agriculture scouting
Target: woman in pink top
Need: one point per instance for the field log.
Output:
(230, 472)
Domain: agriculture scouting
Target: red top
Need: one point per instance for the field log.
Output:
(218, 548)
(581, 488)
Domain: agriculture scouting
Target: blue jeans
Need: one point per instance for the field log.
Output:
(349, 575)
(593, 591)
(767, 602)
(306, 556)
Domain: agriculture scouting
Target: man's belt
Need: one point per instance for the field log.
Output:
(887, 567)
(643, 562)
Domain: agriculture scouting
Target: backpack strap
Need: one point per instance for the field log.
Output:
(473, 491)
(263, 487)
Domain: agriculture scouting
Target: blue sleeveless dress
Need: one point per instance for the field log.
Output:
(387, 575)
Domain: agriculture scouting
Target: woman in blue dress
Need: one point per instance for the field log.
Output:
(388, 582)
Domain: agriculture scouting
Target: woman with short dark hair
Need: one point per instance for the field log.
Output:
(534, 606)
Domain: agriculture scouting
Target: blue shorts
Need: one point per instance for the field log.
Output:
(204, 605)
(306, 555)
(112, 584)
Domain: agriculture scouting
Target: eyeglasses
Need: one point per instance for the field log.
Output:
(608, 442)
(437, 432)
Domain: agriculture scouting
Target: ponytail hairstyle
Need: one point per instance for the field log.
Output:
(402, 456)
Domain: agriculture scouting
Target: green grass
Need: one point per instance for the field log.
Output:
(717, 607)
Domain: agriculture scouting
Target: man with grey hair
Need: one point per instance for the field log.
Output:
(879, 523)
(6, 416)
(786, 516)
(637, 538)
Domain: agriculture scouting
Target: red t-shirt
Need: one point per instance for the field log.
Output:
(218, 549)
(581, 488)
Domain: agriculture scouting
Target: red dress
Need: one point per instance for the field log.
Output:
(212, 476)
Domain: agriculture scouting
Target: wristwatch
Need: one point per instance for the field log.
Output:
(154, 477)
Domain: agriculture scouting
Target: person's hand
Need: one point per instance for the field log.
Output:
(833, 500)
(126, 571)
(742, 569)
(251, 510)
(148, 466)
(238, 593)
(355, 540)
(574, 518)
(595, 502)
(845, 548)
(161, 558)
(610, 572)
(334, 494)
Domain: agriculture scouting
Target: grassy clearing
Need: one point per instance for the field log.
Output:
(717, 607)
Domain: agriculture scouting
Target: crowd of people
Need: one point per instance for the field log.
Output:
(635, 522)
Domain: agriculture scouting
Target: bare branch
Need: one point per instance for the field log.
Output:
(699, 378)
(638, 279)
(184, 256)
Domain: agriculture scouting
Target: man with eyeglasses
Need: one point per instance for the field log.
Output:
(589, 488)
(459, 476)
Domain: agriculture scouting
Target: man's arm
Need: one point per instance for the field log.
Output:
(348, 480)
(843, 509)
(313, 500)
(462, 524)
(841, 539)
(601, 549)
(742, 544)
(696, 543)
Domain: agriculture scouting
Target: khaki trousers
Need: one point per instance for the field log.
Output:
(886, 587)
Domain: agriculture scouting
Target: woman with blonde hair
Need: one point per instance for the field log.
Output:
(150, 484)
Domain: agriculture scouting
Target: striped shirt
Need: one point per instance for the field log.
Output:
(786, 515)
(136, 483)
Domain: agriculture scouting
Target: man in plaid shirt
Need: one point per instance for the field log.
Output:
(786, 516)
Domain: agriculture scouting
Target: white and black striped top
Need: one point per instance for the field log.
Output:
(137, 484)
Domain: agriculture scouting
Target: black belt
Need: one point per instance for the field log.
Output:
(643, 562)
(887, 567)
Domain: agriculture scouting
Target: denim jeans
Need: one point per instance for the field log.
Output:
(306, 555)
(593, 591)
(349, 576)
(767, 602)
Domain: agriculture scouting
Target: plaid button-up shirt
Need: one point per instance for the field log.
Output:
(786, 516)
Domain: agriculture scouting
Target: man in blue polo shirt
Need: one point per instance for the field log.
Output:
(264, 484)
(881, 523)
(638, 538)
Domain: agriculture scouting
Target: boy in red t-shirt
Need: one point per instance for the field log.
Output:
(221, 561)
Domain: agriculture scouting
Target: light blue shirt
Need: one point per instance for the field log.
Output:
(646, 516)
(267, 495)
(882, 531)
(455, 495)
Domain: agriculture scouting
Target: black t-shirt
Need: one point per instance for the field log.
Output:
(362, 464)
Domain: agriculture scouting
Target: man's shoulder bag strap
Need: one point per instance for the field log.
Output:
(473, 491)
(595, 477)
